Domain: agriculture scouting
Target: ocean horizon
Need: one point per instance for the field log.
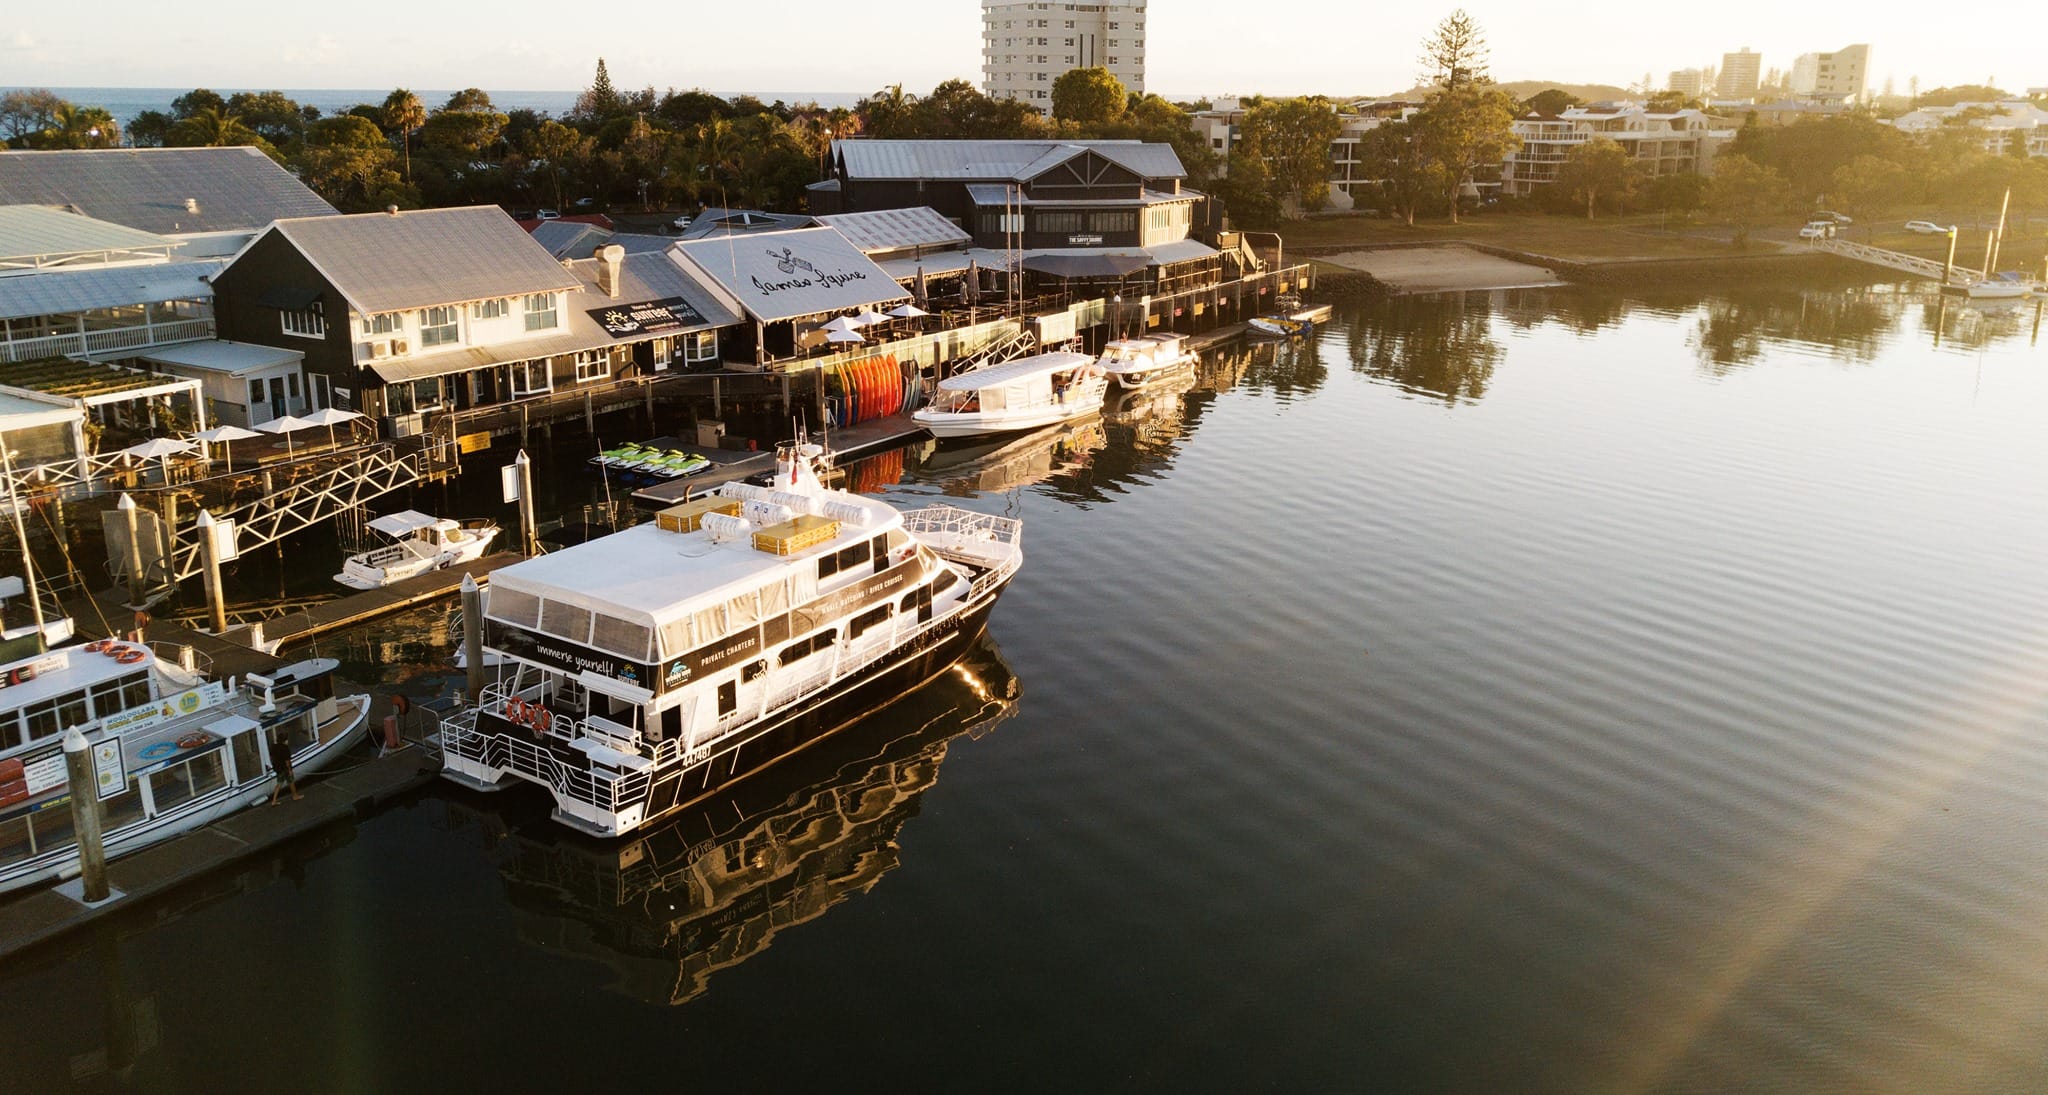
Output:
(124, 103)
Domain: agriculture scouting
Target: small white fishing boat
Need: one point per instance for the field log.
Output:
(1277, 327)
(421, 542)
(171, 750)
(1025, 394)
(1998, 288)
(1146, 360)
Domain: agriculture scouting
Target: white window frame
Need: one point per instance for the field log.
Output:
(541, 313)
(491, 309)
(700, 346)
(431, 332)
(307, 322)
(383, 323)
(589, 360)
(522, 376)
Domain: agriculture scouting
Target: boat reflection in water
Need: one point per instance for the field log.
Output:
(1151, 413)
(713, 886)
(965, 468)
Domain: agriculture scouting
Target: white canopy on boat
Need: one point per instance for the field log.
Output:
(995, 376)
(399, 524)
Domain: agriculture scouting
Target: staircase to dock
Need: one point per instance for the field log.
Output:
(1896, 260)
(377, 470)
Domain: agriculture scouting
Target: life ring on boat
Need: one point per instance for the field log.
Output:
(157, 750)
(515, 710)
(130, 655)
(97, 646)
(540, 718)
(194, 740)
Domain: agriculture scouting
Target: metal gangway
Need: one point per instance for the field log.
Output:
(298, 504)
(1894, 260)
(995, 353)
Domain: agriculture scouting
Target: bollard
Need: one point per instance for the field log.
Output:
(85, 816)
(473, 637)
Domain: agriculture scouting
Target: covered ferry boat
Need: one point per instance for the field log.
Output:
(647, 668)
(420, 542)
(171, 750)
(1025, 394)
(1142, 362)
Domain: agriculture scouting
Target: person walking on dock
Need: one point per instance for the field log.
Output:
(281, 763)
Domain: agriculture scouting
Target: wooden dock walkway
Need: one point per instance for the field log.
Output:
(355, 608)
(728, 465)
(1895, 260)
(361, 782)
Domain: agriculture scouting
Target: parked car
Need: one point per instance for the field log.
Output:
(1816, 230)
(586, 203)
(547, 215)
(1926, 228)
(679, 223)
(1832, 218)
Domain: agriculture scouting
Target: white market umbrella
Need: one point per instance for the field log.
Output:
(162, 449)
(868, 317)
(331, 417)
(842, 336)
(223, 433)
(907, 311)
(285, 424)
(843, 326)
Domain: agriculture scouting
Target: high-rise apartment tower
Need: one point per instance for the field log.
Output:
(1026, 46)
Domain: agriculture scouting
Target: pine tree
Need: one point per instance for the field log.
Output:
(600, 100)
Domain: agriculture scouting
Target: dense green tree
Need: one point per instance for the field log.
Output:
(683, 109)
(1807, 154)
(469, 100)
(196, 100)
(347, 160)
(1088, 97)
(1464, 130)
(600, 100)
(1961, 93)
(557, 154)
(80, 127)
(1290, 138)
(27, 112)
(1551, 101)
(1597, 170)
(1869, 186)
(1744, 192)
(211, 126)
(888, 113)
(1681, 193)
(273, 116)
(150, 129)
(1406, 176)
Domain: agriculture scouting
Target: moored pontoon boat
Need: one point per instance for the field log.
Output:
(1024, 394)
(420, 543)
(1146, 360)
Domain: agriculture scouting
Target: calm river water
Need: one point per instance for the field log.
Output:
(1537, 691)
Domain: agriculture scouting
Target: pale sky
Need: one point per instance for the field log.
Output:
(1197, 47)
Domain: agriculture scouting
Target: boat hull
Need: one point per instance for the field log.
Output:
(951, 424)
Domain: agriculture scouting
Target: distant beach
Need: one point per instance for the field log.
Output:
(124, 103)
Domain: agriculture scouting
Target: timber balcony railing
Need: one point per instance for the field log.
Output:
(96, 343)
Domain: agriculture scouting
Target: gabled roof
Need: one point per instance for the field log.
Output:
(172, 191)
(569, 239)
(650, 276)
(1016, 161)
(896, 229)
(784, 275)
(56, 292)
(42, 235)
(389, 262)
(732, 222)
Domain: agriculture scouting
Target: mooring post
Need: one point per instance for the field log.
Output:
(85, 815)
(127, 507)
(473, 635)
(527, 527)
(209, 549)
(589, 413)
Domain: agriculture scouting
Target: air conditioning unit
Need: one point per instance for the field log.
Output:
(399, 346)
(380, 349)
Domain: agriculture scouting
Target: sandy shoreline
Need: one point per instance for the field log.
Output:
(1442, 269)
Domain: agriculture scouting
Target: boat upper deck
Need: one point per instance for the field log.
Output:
(61, 672)
(1009, 372)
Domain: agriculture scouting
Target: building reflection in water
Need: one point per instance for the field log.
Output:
(991, 466)
(714, 886)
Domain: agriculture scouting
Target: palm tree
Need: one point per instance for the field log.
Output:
(403, 114)
(82, 127)
(212, 127)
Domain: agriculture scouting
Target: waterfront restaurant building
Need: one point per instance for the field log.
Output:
(789, 284)
(403, 315)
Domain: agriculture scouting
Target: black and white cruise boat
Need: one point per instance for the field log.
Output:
(649, 667)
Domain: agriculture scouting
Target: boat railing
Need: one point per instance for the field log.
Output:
(189, 658)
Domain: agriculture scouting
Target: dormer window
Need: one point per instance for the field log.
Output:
(540, 312)
(383, 323)
(440, 326)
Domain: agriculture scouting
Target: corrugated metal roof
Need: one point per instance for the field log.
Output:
(569, 239)
(1180, 251)
(947, 262)
(649, 275)
(895, 229)
(166, 190)
(388, 262)
(732, 222)
(222, 356)
(998, 194)
(783, 275)
(55, 292)
(45, 232)
(1015, 160)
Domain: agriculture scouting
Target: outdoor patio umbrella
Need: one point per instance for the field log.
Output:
(842, 325)
(868, 317)
(162, 449)
(331, 417)
(285, 424)
(222, 433)
(834, 335)
(907, 311)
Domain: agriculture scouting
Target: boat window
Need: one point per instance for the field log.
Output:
(945, 581)
(565, 621)
(743, 610)
(122, 809)
(728, 697)
(804, 648)
(622, 637)
(181, 783)
(14, 840)
(106, 698)
(247, 764)
(861, 623)
(710, 623)
(515, 607)
(135, 691)
(10, 729)
(671, 725)
(879, 548)
(49, 829)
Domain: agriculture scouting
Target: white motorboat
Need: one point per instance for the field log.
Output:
(1024, 394)
(1146, 360)
(171, 750)
(1277, 327)
(652, 666)
(1999, 288)
(420, 543)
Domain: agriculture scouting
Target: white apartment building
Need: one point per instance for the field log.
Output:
(1740, 74)
(1690, 82)
(1842, 75)
(1997, 125)
(1026, 46)
(1681, 142)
